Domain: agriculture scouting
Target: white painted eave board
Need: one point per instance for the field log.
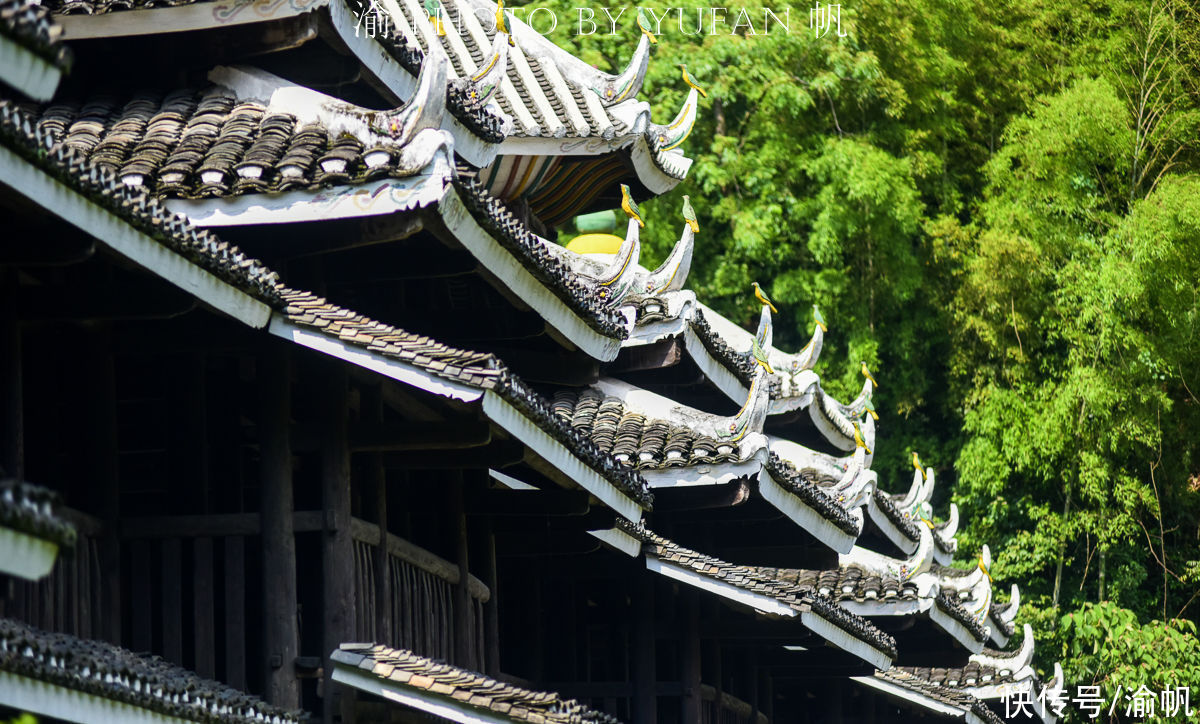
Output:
(27, 71)
(124, 239)
(38, 697)
(26, 556)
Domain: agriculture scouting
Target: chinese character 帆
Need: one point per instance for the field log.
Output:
(823, 17)
(1176, 701)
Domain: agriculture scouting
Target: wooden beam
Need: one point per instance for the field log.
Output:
(280, 626)
(665, 353)
(52, 248)
(498, 454)
(701, 497)
(104, 303)
(457, 435)
(536, 503)
(337, 545)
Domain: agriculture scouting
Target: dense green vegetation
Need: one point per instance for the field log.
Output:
(996, 205)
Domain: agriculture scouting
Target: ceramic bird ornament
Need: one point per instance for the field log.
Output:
(689, 214)
(434, 9)
(918, 466)
(630, 207)
(760, 356)
(502, 22)
(870, 408)
(858, 438)
(867, 373)
(761, 296)
(644, 25)
(819, 319)
(691, 82)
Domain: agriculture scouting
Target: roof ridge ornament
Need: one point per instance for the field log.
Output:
(614, 89)
(392, 128)
(1009, 614)
(752, 415)
(902, 569)
(1010, 661)
(672, 274)
(616, 281)
(806, 358)
(480, 88)
(673, 134)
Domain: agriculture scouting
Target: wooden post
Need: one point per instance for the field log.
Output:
(338, 546)
(204, 631)
(102, 461)
(12, 422)
(376, 482)
(235, 612)
(769, 697)
(281, 634)
(462, 596)
(491, 609)
(645, 703)
(172, 600)
(690, 700)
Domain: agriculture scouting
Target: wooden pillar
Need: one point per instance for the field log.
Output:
(491, 609)
(281, 634)
(102, 461)
(645, 702)
(12, 414)
(338, 546)
(689, 650)
(462, 594)
(769, 697)
(376, 485)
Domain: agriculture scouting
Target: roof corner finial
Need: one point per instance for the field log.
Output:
(616, 282)
(753, 414)
(673, 273)
(482, 86)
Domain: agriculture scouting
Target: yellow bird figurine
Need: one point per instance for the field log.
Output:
(858, 438)
(691, 82)
(761, 296)
(867, 373)
(819, 319)
(630, 207)
(760, 356)
(502, 23)
(644, 25)
(918, 466)
(870, 408)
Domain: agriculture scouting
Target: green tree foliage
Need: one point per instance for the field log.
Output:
(996, 204)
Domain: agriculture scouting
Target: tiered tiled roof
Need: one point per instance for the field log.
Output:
(227, 262)
(433, 683)
(197, 144)
(109, 672)
(969, 706)
(635, 439)
(761, 581)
